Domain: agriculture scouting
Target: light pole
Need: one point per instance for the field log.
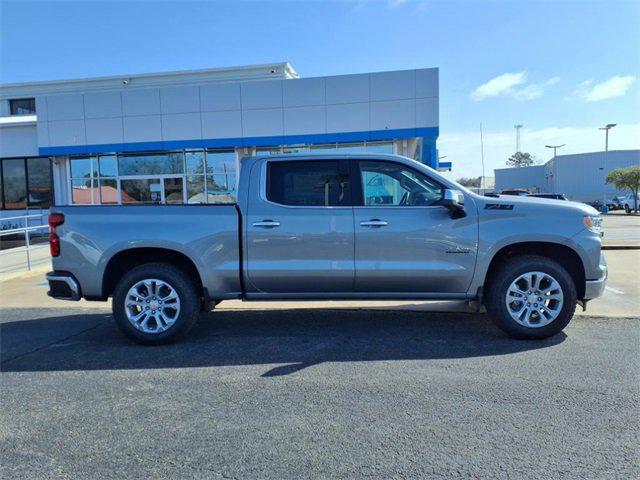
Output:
(555, 147)
(518, 127)
(606, 129)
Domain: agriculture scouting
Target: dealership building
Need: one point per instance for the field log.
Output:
(579, 177)
(177, 137)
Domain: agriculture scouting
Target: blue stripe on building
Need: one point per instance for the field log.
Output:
(428, 134)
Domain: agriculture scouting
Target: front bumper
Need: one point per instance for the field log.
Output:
(63, 286)
(595, 288)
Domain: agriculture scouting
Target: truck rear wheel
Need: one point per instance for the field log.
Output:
(531, 297)
(155, 303)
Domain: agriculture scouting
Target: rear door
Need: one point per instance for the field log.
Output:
(299, 227)
(406, 242)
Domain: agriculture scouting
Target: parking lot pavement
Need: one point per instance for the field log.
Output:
(317, 394)
(621, 229)
(340, 390)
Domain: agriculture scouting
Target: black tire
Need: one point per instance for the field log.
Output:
(508, 272)
(627, 209)
(183, 286)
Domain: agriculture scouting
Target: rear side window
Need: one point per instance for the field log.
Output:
(308, 184)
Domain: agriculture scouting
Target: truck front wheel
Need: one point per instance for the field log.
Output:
(155, 303)
(531, 297)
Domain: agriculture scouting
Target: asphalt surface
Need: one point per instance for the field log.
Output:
(317, 394)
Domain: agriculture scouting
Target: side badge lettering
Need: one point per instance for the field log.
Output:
(498, 206)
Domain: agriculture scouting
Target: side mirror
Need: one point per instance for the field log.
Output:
(454, 201)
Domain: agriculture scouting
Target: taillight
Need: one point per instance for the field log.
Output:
(55, 219)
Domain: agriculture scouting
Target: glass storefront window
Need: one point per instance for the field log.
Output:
(351, 147)
(260, 151)
(108, 166)
(39, 182)
(108, 191)
(379, 147)
(151, 164)
(14, 181)
(221, 188)
(81, 167)
(221, 161)
(323, 148)
(82, 191)
(26, 183)
(194, 162)
(148, 190)
(195, 189)
(173, 190)
(295, 149)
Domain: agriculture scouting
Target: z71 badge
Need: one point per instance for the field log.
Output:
(498, 206)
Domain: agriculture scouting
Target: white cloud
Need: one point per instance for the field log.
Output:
(508, 84)
(534, 90)
(616, 86)
(463, 149)
(500, 85)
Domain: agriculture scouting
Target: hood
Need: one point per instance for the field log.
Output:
(535, 203)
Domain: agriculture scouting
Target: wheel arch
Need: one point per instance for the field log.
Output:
(125, 260)
(564, 255)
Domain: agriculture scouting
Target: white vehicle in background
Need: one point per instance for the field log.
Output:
(628, 204)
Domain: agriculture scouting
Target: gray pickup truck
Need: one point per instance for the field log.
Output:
(331, 227)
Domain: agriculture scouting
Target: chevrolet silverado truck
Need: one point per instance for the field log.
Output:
(365, 226)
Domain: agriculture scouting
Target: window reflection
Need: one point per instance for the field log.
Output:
(108, 166)
(82, 191)
(141, 191)
(39, 181)
(195, 162)
(81, 167)
(221, 161)
(14, 183)
(153, 164)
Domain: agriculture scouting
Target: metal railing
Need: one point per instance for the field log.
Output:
(25, 230)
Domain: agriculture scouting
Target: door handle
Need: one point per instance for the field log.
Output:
(266, 224)
(374, 222)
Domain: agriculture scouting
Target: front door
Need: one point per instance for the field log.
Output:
(405, 240)
(299, 228)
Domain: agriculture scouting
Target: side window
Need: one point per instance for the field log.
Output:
(309, 184)
(391, 184)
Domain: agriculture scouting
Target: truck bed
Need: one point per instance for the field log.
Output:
(207, 235)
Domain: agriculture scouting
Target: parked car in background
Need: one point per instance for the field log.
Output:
(619, 202)
(326, 228)
(551, 196)
(597, 204)
(517, 192)
(628, 204)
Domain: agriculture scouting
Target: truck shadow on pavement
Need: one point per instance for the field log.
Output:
(284, 341)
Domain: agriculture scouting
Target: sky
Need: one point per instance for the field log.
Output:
(560, 68)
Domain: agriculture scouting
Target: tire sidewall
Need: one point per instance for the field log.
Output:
(179, 281)
(517, 266)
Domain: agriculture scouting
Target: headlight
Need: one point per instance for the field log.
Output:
(593, 223)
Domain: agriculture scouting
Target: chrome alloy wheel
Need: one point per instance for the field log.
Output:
(152, 305)
(534, 299)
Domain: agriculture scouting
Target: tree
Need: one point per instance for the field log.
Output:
(520, 159)
(627, 178)
(472, 182)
